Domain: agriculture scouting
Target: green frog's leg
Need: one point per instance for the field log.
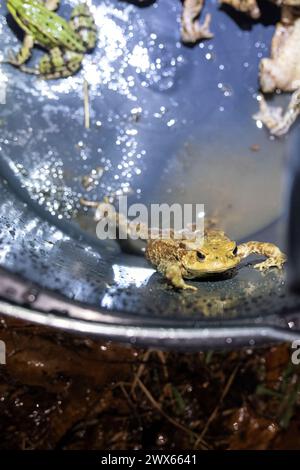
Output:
(173, 273)
(273, 117)
(275, 257)
(52, 5)
(59, 63)
(83, 23)
(24, 53)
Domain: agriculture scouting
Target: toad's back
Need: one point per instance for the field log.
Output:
(164, 250)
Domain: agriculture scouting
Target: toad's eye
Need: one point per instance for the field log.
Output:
(200, 256)
(235, 250)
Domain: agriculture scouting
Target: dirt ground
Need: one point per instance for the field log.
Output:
(58, 391)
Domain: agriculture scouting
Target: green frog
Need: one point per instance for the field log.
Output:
(66, 42)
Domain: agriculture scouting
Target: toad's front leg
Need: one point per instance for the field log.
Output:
(275, 257)
(172, 271)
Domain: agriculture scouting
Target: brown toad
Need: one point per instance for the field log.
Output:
(217, 255)
(281, 71)
(191, 257)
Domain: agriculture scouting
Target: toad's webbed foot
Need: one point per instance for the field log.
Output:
(271, 263)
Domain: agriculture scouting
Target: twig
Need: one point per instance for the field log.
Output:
(86, 104)
(215, 411)
(175, 423)
(132, 406)
(162, 358)
(129, 401)
(140, 371)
